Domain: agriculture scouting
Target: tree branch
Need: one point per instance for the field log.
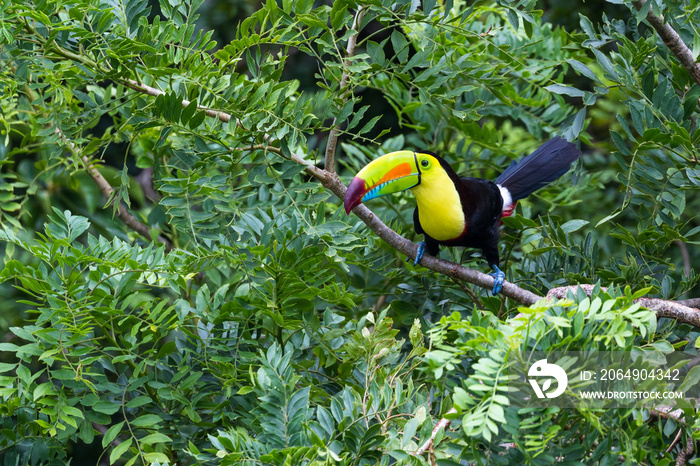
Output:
(694, 302)
(662, 308)
(100, 181)
(350, 51)
(679, 312)
(107, 190)
(332, 182)
(152, 91)
(409, 248)
(672, 40)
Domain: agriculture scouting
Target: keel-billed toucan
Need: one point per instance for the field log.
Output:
(454, 211)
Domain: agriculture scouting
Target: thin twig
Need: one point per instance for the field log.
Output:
(444, 423)
(686, 257)
(152, 91)
(469, 292)
(380, 303)
(675, 440)
(329, 163)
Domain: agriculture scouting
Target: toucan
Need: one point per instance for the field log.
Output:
(454, 211)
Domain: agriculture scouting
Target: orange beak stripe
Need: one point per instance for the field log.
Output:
(398, 171)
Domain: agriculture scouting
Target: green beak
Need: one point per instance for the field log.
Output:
(388, 174)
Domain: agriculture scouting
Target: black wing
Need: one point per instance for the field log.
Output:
(482, 203)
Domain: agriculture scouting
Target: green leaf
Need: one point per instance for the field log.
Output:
(608, 218)
(326, 421)
(338, 14)
(5, 367)
(72, 411)
(77, 225)
(44, 389)
(312, 21)
(155, 437)
(119, 450)
(106, 407)
(643, 11)
(188, 112)
(587, 27)
(197, 119)
(244, 390)
(578, 123)
(620, 143)
(574, 225)
(146, 420)
(691, 379)
(497, 413)
(111, 434)
(139, 401)
(512, 19)
(582, 69)
(410, 430)
(162, 138)
(565, 90)
(152, 457)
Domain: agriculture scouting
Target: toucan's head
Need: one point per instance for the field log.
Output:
(388, 174)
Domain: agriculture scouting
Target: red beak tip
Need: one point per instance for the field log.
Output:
(349, 205)
(353, 196)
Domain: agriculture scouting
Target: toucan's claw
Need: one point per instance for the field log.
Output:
(498, 279)
(421, 251)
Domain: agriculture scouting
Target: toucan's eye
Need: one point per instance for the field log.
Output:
(425, 163)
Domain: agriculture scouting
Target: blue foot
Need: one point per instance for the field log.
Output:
(421, 251)
(498, 278)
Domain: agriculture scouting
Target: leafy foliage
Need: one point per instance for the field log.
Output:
(276, 330)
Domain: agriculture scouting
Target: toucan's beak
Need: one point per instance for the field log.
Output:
(388, 174)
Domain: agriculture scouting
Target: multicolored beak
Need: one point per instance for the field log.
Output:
(388, 174)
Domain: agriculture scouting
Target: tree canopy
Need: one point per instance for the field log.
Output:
(182, 285)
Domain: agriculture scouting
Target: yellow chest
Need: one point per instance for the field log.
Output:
(439, 207)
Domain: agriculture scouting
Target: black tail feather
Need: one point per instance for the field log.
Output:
(550, 161)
